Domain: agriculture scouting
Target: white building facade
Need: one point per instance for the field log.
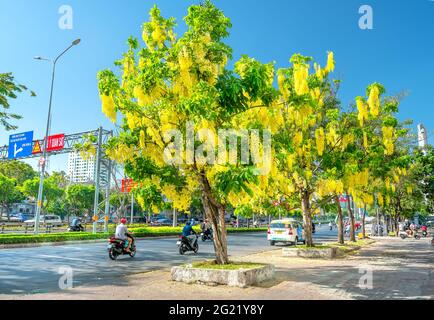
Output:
(79, 169)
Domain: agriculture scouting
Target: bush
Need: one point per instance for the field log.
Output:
(142, 232)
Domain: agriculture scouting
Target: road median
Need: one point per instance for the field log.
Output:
(26, 240)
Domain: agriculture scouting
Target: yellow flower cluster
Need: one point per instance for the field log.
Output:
(281, 83)
(320, 141)
(298, 138)
(181, 200)
(380, 199)
(320, 73)
(362, 107)
(128, 68)
(108, 107)
(346, 140)
(365, 141)
(409, 190)
(388, 133)
(358, 179)
(374, 101)
(316, 94)
(301, 72)
(387, 183)
(330, 63)
(329, 187)
(332, 137)
(121, 153)
(302, 118)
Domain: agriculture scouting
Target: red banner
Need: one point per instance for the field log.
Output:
(128, 185)
(56, 142)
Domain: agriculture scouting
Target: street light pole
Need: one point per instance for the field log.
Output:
(44, 156)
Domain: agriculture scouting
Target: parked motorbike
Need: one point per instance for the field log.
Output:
(77, 228)
(116, 247)
(185, 245)
(207, 235)
(405, 235)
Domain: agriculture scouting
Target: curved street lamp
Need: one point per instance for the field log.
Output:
(44, 156)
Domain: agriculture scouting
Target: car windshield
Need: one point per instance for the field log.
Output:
(278, 225)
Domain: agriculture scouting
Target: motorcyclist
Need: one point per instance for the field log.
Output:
(424, 228)
(189, 233)
(206, 227)
(122, 234)
(76, 223)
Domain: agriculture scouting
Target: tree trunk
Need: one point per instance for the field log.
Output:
(340, 221)
(363, 222)
(215, 212)
(351, 214)
(307, 218)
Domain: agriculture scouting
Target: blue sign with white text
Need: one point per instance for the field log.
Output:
(20, 145)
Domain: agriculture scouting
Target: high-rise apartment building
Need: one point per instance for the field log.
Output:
(79, 169)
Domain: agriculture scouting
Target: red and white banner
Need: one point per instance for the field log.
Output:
(56, 142)
(128, 185)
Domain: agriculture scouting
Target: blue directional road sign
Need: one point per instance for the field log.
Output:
(20, 145)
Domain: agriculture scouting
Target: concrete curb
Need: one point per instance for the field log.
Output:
(241, 278)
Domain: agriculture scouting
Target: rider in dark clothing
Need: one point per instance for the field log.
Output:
(189, 233)
(188, 230)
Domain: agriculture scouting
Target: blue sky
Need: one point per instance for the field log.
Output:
(398, 52)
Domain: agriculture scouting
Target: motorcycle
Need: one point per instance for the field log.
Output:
(207, 235)
(185, 246)
(77, 228)
(405, 235)
(116, 247)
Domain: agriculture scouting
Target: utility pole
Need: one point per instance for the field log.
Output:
(107, 197)
(132, 207)
(97, 180)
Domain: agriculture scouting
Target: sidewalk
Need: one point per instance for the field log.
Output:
(401, 269)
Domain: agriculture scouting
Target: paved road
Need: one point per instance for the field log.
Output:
(36, 270)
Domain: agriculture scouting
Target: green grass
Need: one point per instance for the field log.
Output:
(348, 244)
(231, 266)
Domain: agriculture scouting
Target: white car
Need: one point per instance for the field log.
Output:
(286, 231)
(46, 220)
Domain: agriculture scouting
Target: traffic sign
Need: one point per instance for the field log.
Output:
(36, 148)
(56, 142)
(20, 145)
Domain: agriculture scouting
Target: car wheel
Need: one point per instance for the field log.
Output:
(272, 243)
